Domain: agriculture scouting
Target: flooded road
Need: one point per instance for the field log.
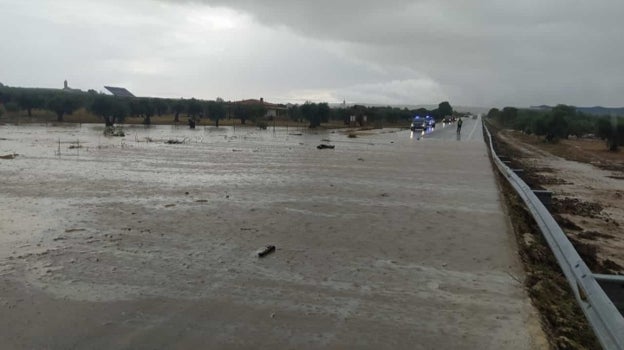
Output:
(386, 241)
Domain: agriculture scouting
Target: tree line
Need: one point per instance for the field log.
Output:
(317, 113)
(114, 109)
(561, 122)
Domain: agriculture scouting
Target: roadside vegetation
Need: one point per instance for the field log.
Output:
(52, 105)
(561, 122)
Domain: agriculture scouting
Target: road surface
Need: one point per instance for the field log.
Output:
(389, 241)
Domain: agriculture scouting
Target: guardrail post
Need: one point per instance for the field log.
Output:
(545, 197)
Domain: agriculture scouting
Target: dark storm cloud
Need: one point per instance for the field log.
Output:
(490, 51)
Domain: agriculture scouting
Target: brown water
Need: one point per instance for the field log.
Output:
(387, 241)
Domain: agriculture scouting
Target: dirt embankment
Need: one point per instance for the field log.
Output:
(562, 319)
(588, 193)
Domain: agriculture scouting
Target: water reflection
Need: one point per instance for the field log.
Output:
(419, 133)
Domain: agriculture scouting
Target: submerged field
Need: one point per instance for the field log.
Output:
(386, 241)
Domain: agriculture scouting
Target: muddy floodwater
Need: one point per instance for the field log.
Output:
(386, 241)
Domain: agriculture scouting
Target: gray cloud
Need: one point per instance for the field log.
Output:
(488, 51)
(471, 52)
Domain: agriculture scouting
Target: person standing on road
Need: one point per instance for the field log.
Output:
(459, 124)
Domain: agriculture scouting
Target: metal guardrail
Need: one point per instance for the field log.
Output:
(604, 318)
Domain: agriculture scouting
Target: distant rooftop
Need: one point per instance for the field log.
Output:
(261, 101)
(119, 91)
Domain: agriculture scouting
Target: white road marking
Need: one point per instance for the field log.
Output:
(474, 128)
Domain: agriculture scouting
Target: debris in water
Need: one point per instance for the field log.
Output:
(69, 230)
(323, 146)
(114, 131)
(266, 251)
(9, 156)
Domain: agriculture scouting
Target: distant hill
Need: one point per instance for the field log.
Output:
(597, 110)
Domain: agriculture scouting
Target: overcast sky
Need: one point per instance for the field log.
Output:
(469, 52)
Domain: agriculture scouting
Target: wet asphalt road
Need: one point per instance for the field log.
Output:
(388, 241)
